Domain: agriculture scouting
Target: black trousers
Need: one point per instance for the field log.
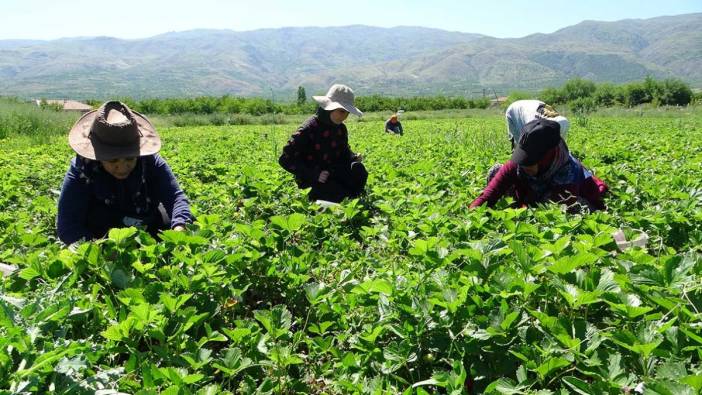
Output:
(346, 181)
(102, 218)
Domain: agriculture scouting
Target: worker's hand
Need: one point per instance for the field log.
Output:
(179, 228)
(323, 175)
(358, 158)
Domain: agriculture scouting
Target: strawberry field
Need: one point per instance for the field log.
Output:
(404, 291)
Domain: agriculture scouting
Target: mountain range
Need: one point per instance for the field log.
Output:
(373, 60)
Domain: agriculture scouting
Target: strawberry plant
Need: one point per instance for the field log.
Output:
(404, 290)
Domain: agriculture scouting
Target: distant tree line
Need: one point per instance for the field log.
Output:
(584, 96)
(579, 94)
(260, 106)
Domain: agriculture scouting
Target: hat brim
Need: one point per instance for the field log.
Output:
(328, 105)
(81, 142)
(522, 158)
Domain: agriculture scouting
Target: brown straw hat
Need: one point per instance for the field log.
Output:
(113, 131)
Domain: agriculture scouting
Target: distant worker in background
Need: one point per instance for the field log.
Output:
(522, 112)
(117, 179)
(542, 170)
(393, 125)
(318, 154)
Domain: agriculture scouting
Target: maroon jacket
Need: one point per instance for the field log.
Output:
(507, 180)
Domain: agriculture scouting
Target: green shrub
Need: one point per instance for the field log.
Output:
(577, 88)
(673, 92)
(636, 93)
(607, 95)
(582, 106)
(18, 118)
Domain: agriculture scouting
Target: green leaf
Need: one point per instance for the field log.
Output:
(290, 223)
(372, 334)
(694, 381)
(663, 387)
(509, 319)
(578, 385)
(237, 334)
(114, 332)
(276, 321)
(174, 304)
(120, 278)
(373, 286)
(314, 291)
(569, 263)
(505, 386)
(121, 235)
(193, 378)
(28, 273)
(283, 356)
(550, 365)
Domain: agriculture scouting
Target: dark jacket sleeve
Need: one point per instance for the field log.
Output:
(71, 219)
(168, 192)
(498, 186)
(292, 158)
(348, 153)
(593, 190)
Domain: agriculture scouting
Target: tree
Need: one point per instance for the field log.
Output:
(673, 92)
(301, 95)
(577, 88)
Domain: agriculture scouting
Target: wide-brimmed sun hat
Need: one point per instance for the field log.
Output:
(113, 131)
(338, 96)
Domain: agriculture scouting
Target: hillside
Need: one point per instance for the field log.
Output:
(399, 60)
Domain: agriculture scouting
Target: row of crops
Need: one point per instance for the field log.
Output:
(405, 291)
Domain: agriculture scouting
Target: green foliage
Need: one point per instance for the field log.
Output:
(673, 92)
(301, 96)
(37, 123)
(577, 89)
(403, 291)
(582, 94)
(607, 95)
(637, 93)
(583, 106)
(257, 106)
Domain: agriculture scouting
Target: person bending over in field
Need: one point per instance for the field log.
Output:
(318, 154)
(543, 170)
(117, 179)
(522, 112)
(393, 125)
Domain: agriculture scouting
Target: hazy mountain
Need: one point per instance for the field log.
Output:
(400, 60)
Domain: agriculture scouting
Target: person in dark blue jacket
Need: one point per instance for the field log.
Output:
(393, 125)
(117, 178)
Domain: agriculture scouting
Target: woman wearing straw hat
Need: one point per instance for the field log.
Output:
(318, 154)
(117, 179)
(393, 125)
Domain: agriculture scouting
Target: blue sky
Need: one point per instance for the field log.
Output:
(50, 19)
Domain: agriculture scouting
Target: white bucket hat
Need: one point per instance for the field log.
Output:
(338, 96)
